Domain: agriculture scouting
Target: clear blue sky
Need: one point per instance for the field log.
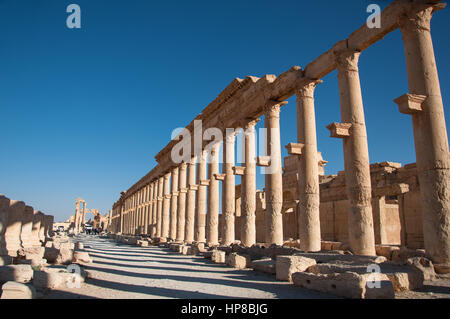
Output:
(83, 112)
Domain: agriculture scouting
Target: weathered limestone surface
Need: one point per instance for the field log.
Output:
(200, 208)
(18, 273)
(228, 189)
(212, 216)
(13, 228)
(16, 290)
(287, 265)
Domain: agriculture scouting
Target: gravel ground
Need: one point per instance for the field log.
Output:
(131, 272)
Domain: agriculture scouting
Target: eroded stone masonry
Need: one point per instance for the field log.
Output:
(385, 209)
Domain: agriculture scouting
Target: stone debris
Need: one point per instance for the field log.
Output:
(81, 256)
(287, 265)
(238, 261)
(267, 265)
(19, 273)
(16, 290)
(218, 256)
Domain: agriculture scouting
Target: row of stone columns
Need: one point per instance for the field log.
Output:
(22, 227)
(194, 218)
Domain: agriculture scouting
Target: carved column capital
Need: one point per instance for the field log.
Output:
(249, 124)
(307, 91)
(347, 60)
(272, 109)
(414, 21)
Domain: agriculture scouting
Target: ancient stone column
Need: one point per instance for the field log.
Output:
(228, 188)
(181, 214)
(248, 187)
(190, 204)
(48, 231)
(309, 198)
(212, 217)
(274, 178)
(27, 227)
(77, 218)
(4, 209)
(83, 218)
(160, 206)
(42, 229)
(356, 156)
(174, 204)
(154, 203)
(37, 221)
(148, 220)
(200, 210)
(166, 207)
(13, 229)
(430, 134)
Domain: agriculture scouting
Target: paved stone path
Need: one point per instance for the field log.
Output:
(124, 271)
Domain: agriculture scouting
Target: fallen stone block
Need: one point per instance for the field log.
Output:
(185, 250)
(423, 265)
(79, 246)
(48, 279)
(386, 250)
(442, 269)
(348, 285)
(81, 256)
(238, 261)
(407, 280)
(16, 290)
(207, 254)
(267, 265)
(218, 256)
(330, 245)
(287, 265)
(175, 247)
(64, 257)
(142, 243)
(19, 273)
(403, 254)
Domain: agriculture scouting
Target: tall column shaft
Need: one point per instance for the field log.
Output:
(166, 207)
(309, 198)
(248, 187)
(430, 135)
(228, 189)
(190, 205)
(200, 209)
(356, 156)
(174, 204)
(212, 217)
(160, 206)
(154, 209)
(148, 220)
(181, 214)
(274, 178)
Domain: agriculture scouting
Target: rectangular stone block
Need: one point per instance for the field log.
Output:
(16, 290)
(238, 261)
(287, 265)
(218, 256)
(267, 265)
(348, 285)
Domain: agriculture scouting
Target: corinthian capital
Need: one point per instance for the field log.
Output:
(347, 60)
(272, 108)
(307, 90)
(414, 20)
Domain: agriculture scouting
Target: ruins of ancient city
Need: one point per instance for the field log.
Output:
(375, 230)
